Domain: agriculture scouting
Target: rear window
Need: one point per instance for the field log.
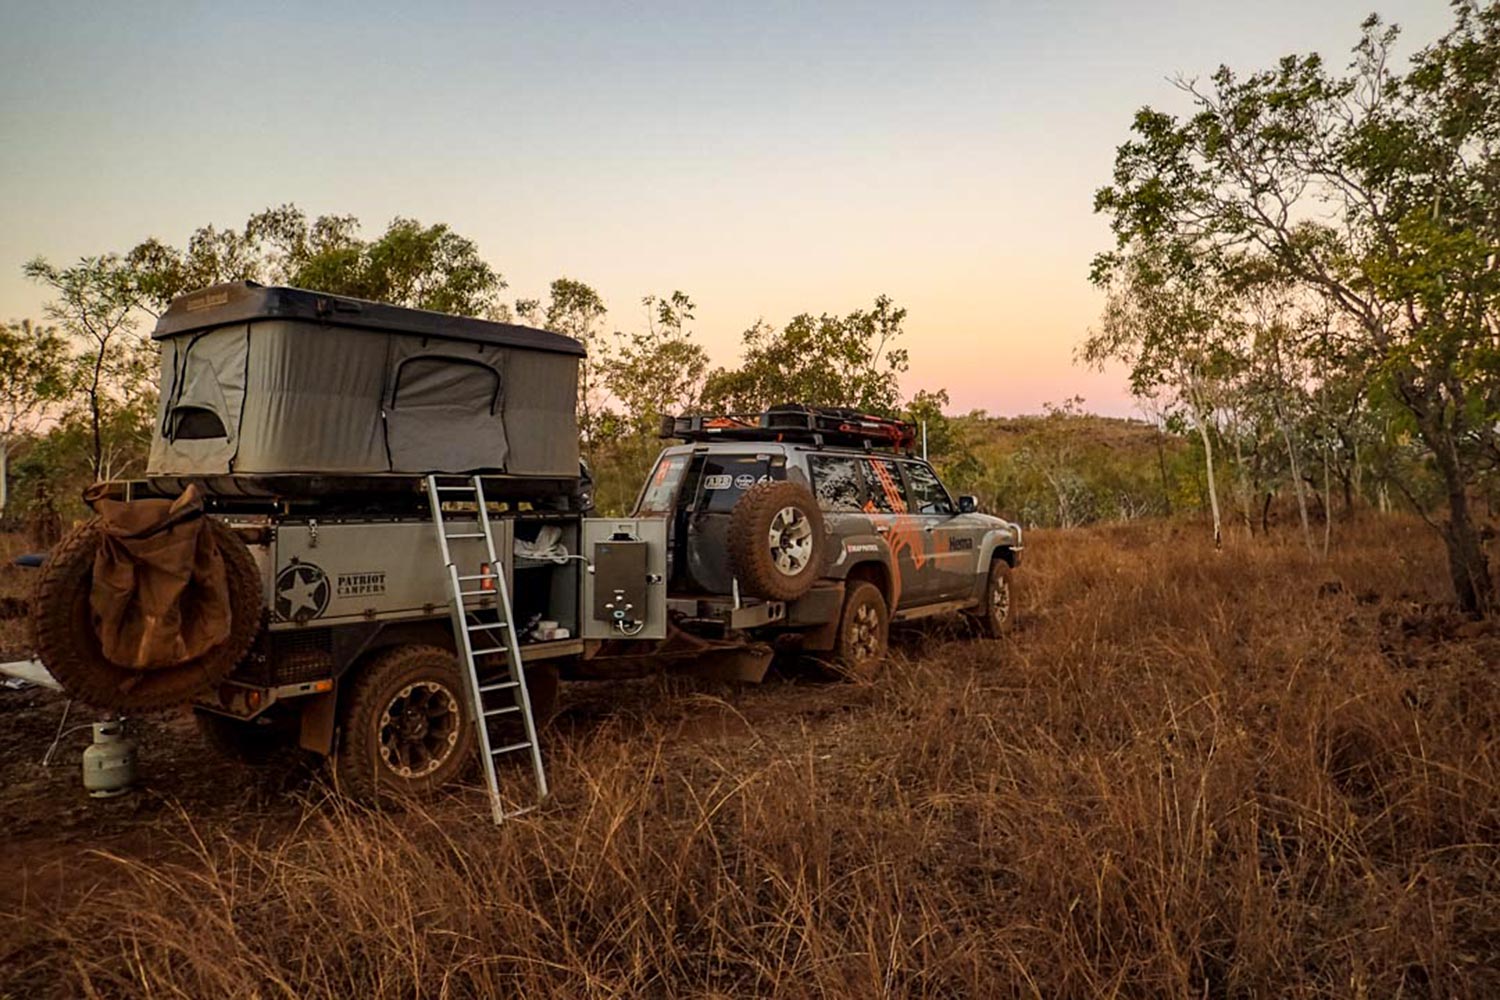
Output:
(661, 488)
(725, 478)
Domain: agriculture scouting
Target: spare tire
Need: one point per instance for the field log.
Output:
(776, 541)
(69, 647)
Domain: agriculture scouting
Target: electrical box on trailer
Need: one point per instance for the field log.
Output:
(625, 591)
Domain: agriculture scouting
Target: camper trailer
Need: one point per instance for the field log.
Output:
(318, 430)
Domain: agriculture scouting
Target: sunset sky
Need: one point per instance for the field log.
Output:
(766, 158)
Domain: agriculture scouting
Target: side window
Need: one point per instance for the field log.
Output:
(837, 481)
(446, 382)
(196, 423)
(883, 482)
(927, 494)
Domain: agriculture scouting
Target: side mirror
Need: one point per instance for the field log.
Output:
(968, 504)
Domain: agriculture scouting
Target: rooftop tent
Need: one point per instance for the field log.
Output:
(270, 381)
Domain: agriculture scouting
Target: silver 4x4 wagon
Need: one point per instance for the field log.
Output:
(820, 527)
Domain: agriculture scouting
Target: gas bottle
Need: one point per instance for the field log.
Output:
(109, 764)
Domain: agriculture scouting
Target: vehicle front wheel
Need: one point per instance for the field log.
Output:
(997, 612)
(405, 728)
(864, 632)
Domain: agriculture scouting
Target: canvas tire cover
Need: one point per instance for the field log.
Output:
(147, 604)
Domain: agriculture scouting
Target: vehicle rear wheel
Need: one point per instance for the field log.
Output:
(406, 731)
(996, 613)
(776, 541)
(864, 632)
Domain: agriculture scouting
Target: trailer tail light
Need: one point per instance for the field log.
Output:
(488, 583)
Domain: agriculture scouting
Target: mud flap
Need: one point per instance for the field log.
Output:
(746, 665)
(319, 713)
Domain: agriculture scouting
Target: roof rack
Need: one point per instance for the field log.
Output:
(820, 425)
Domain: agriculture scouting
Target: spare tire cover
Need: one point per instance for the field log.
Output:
(144, 606)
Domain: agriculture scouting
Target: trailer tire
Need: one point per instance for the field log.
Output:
(776, 541)
(67, 645)
(406, 730)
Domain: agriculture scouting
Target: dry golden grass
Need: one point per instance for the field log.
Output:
(1188, 774)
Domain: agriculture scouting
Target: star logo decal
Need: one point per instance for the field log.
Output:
(302, 592)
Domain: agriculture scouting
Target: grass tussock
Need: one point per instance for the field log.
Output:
(1189, 773)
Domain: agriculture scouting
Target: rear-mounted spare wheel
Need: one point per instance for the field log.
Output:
(68, 644)
(776, 541)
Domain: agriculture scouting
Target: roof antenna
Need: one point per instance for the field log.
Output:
(924, 440)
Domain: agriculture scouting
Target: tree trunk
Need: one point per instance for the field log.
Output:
(1468, 564)
(1291, 454)
(1161, 462)
(1213, 489)
(1327, 499)
(1242, 478)
(4, 477)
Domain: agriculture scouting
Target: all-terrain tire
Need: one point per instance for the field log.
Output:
(405, 729)
(776, 541)
(997, 610)
(864, 632)
(249, 742)
(68, 646)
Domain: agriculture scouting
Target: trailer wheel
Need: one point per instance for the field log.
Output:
(67, 645)
(406, 731)
(864, 632)
(776, 541)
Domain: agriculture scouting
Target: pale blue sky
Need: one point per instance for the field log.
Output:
(766, 158)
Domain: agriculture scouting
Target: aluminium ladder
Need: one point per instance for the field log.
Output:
(497, 637)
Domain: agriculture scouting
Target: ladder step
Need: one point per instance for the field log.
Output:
(477, 576)
(476, 593)
(524, 744)
(456, 489)
(482, 626)
(498, 686)
(520, 812)
(489, 652)
(474, 534)
(502, 711)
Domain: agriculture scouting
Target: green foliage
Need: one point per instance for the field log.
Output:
(823, 360)
(659, 370)
(424, 267)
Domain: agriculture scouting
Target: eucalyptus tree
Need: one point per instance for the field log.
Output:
(1374, 189)
(33, 378)
(409, 264)
(1171, 322)
(823, 360)
(96, 305)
